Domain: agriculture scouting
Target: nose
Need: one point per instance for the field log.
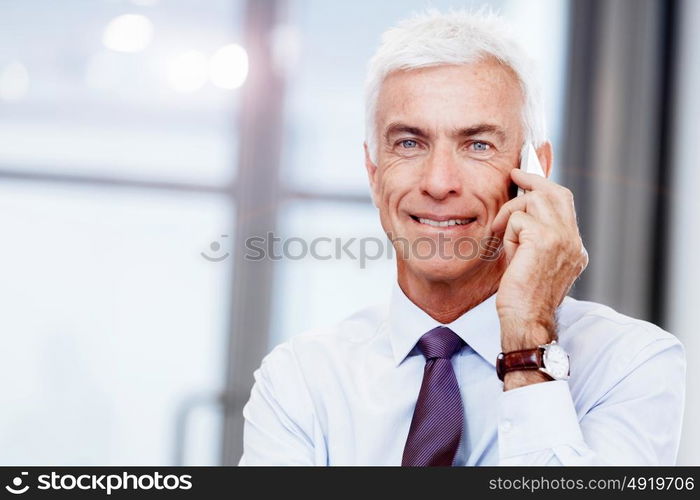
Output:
(441, 175)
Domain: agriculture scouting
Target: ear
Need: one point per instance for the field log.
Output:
(546, 157)
(371, 175)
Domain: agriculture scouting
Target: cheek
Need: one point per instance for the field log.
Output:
(502, 188)
(493, 190)
(394, 183)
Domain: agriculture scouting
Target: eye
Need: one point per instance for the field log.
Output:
(480, 146)
(408, 143)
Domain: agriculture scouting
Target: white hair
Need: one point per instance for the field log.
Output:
(458, 37)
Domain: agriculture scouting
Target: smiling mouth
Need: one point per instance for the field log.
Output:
(443, 223)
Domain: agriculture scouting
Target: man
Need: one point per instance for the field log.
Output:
(470, 362)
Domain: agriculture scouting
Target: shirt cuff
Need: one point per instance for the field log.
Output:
(537, 417)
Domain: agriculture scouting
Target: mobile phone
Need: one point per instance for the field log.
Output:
(529, 163)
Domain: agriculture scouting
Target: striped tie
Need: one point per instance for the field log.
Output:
(437, 422)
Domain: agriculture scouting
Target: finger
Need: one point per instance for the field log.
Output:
(561, 197)
(529, 181)
(506, 211)
(517, 223)
(511, 239)
(533, 203)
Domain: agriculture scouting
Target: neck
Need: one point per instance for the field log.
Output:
(446, 300)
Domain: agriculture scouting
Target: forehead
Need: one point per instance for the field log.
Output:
(452, 96)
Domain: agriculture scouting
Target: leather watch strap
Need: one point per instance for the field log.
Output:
(526, 359)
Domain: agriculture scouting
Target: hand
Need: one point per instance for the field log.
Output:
(544, 256)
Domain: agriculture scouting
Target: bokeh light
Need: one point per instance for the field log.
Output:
(228, 67)
(128, 33)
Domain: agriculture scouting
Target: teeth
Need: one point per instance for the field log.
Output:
(443, 223)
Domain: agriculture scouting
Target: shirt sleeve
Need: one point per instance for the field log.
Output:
(280, 425)
(637, 421)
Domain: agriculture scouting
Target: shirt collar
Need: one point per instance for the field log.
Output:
(479, 327)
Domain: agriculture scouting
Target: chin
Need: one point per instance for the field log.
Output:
(441, 269)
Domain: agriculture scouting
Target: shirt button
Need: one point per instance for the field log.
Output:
(506, 425)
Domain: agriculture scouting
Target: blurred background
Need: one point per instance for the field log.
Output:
(143, 141)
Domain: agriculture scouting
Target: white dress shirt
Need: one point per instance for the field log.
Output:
(345, 395)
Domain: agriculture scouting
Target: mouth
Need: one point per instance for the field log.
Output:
(443, 222)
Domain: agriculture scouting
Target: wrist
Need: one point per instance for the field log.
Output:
(543, 314)
(521, 378)
(518, 334)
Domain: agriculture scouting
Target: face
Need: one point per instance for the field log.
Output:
(448, 137)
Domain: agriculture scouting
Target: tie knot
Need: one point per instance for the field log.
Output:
(440, 342)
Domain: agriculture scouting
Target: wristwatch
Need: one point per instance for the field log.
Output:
(550, 359)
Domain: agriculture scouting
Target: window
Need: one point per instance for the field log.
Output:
(117, 152)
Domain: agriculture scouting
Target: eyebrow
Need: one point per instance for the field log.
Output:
(402, 128)
(478, 129)
(482, 128)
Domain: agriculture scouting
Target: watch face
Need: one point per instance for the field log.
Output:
(556, 362)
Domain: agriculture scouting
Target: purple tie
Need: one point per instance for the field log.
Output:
(437, 422)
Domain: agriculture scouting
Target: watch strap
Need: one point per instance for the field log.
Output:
(525, 359)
